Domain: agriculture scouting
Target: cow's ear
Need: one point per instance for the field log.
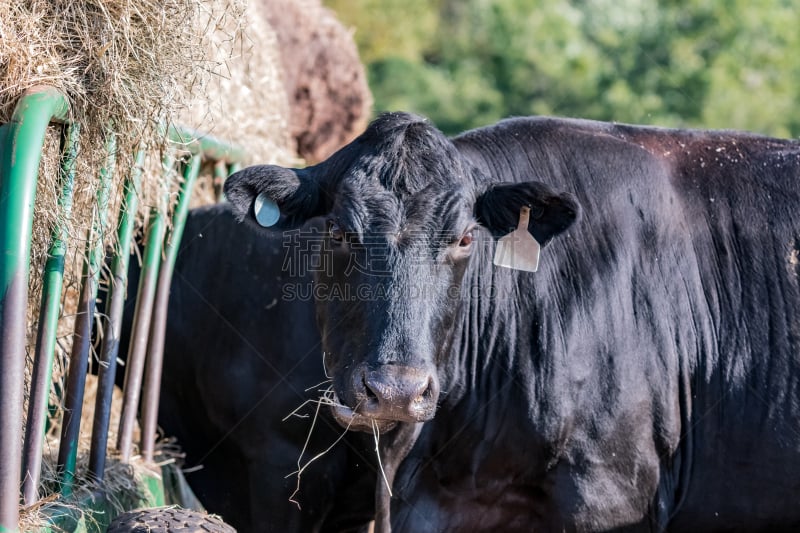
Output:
(295, 191)
(552, 212)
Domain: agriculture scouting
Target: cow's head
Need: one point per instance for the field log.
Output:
(405, 215)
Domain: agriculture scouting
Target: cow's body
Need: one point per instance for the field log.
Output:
(649, 373)
(647, 377)
(231, 378)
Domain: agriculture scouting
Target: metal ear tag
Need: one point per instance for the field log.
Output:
(267, 211)
(519, 249)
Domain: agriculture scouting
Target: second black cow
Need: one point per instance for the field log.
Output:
(239, 360)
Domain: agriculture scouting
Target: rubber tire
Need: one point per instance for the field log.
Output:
(168, 520)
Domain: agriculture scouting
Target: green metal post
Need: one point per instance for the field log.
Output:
(220, 173)
(235, 166)
(19, 168)
(141, 324)
(81, 345)
(114, 310)
(211, 148)
(48, 322)
(158, 326)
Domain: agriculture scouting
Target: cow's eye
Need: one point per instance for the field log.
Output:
(335, 231)
(466, 239)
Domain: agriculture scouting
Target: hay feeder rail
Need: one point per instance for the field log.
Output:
(21, 142)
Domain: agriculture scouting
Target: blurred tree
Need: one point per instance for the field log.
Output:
(464, 63)
(389, 28)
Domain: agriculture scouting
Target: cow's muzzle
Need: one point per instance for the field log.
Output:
(389, 394)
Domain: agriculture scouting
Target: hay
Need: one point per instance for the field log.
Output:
(245, 100)
(118, 61)
(122, 489)
(210, 64)
(121, 64)
(133, 67)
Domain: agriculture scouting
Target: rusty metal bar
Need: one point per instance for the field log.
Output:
(48, 322)
(155, 358)
(81, 339)
(114, 309)
(220, 173)
(21, 151)
(141, 323)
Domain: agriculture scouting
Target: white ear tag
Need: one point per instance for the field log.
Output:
(518, 250)
(266, 211)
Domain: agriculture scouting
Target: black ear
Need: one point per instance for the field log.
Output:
(551, 212)
(296, 192)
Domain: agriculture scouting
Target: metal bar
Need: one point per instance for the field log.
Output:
(233, 167)
(19, 168)
(141, 324)
(81, 338)
(48, 322)
(220, 173)
(114, 310)
(155, 350)
(211, 148)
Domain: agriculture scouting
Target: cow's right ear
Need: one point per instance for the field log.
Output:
(552, 212)
(297, 194)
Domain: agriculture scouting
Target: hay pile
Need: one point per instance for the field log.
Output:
(244, 99)
(122, 487)
(135, 66)
(123, 66)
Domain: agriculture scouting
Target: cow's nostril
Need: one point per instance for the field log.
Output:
(369, 393)
(424, 392)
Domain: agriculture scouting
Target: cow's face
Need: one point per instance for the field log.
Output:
(405, 214)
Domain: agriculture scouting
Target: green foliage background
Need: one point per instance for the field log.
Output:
(465, 63)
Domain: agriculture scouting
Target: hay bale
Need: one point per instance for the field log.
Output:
(329, 99)
(136, 66)
(123, 66)
(245, 100)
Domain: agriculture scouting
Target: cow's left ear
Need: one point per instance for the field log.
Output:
(296, 193)
(552, 212)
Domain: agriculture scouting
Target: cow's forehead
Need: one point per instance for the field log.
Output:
(403, 153)
(411, 171)
(402, 176)
(430, 215)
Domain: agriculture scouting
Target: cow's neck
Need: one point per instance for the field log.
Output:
(493, 338)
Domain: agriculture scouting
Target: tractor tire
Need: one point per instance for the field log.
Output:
(168, 520)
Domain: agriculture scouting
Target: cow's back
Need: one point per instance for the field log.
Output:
(741, 206)
(682, 272)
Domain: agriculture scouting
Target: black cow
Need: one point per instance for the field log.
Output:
(238, 359)
(647, 377)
